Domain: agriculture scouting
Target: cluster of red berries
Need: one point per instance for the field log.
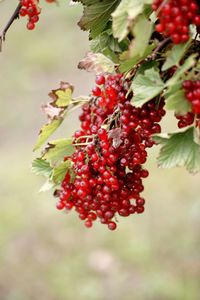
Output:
(192, 93)
(185, 120)
(110, 151)
(31, 9)
(175, 16)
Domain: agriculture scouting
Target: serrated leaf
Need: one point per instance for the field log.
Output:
(193, 164)
(97, 62)
(178, 103)
(96, 15)
(197, 135)
(189, 63)
(106, 44)
(57, 150)
(146, 86)
(180, 149)
(41, 167)
(60, 171)
(124, 16)
(100, 42)
(175, 55)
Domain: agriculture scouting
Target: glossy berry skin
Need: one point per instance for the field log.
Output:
(108, 171)
(31, 9)
(185, 120)
(174, 18)
(192, 93)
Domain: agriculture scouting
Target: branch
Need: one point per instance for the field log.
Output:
(14, 16)
(159, 47)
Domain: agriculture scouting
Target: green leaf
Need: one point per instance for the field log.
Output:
(96, 15)
(105, 41)
(175, 55)
(57, 150)
(178, 103)
(60, 171)
(180, 149)
(128, 64)
(146, 86)
(64, 97)
(142, 31)
(124, 16)
(173, 89)
(46, 131)
(189, 63)
(41, 167)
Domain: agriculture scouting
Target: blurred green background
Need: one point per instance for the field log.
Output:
(48, 255)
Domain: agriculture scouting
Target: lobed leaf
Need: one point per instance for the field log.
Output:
(41, 167)
(179, 149)
(96, 14)
(146, 86)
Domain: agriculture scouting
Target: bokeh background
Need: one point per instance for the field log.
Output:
(49, 255)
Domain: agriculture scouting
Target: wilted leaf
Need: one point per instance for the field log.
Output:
(55, 111)
(97, 62)
(115, 135)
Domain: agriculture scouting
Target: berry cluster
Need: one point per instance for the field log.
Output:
(192, 93)
(110, 151)
(185, 120)
(31, 9)
(175, 16)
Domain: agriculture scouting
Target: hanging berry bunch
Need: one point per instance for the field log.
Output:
(30, 9)
(146, 58)
(107, 163)
(175, 16)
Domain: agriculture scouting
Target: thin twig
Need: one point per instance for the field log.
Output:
(159, 47)
(14, 16)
